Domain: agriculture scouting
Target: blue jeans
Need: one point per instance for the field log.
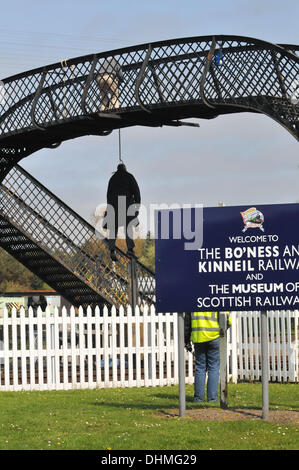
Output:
(207, 359)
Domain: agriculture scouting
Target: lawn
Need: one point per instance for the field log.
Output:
(142, 419)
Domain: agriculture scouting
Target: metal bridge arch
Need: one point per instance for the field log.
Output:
(164, 82)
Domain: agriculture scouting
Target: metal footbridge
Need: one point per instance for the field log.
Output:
(163, 83)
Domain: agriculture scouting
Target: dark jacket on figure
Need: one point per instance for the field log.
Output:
(123, 183)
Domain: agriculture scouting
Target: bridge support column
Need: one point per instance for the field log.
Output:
(265, 364)
(133, 284)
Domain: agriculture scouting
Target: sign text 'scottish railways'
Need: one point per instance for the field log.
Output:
(248, 260)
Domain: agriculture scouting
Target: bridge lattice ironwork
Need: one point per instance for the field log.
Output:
(163, 83)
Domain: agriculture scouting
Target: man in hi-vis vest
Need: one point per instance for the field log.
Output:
(202, 328)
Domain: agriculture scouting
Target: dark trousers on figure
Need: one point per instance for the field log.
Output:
(129, 239)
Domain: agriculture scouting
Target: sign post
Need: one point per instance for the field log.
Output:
(230, 259)
(265, 365)
(181, 360)
(223, 360)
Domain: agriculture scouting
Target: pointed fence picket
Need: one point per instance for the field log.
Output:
(100, 348)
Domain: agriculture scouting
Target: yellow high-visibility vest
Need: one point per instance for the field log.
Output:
(205, 326)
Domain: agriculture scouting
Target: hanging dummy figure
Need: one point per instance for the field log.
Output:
(123, 201)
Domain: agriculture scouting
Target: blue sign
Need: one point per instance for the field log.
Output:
(240, 258)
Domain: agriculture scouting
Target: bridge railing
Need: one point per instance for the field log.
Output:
(254, 75)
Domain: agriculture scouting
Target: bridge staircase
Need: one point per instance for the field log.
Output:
(64, 250)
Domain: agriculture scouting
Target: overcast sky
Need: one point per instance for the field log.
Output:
(243, 159)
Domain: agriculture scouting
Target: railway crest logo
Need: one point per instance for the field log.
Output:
(252, 218)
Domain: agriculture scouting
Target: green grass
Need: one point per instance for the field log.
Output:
(136, 419)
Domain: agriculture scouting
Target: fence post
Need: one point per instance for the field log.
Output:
(133, 284)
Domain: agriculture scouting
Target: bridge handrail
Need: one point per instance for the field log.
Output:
(132, 59)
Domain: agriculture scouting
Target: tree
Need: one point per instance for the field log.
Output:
(148, 252)
(16, 277)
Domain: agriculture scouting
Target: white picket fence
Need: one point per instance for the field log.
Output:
(244, 348)
(118, 349)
